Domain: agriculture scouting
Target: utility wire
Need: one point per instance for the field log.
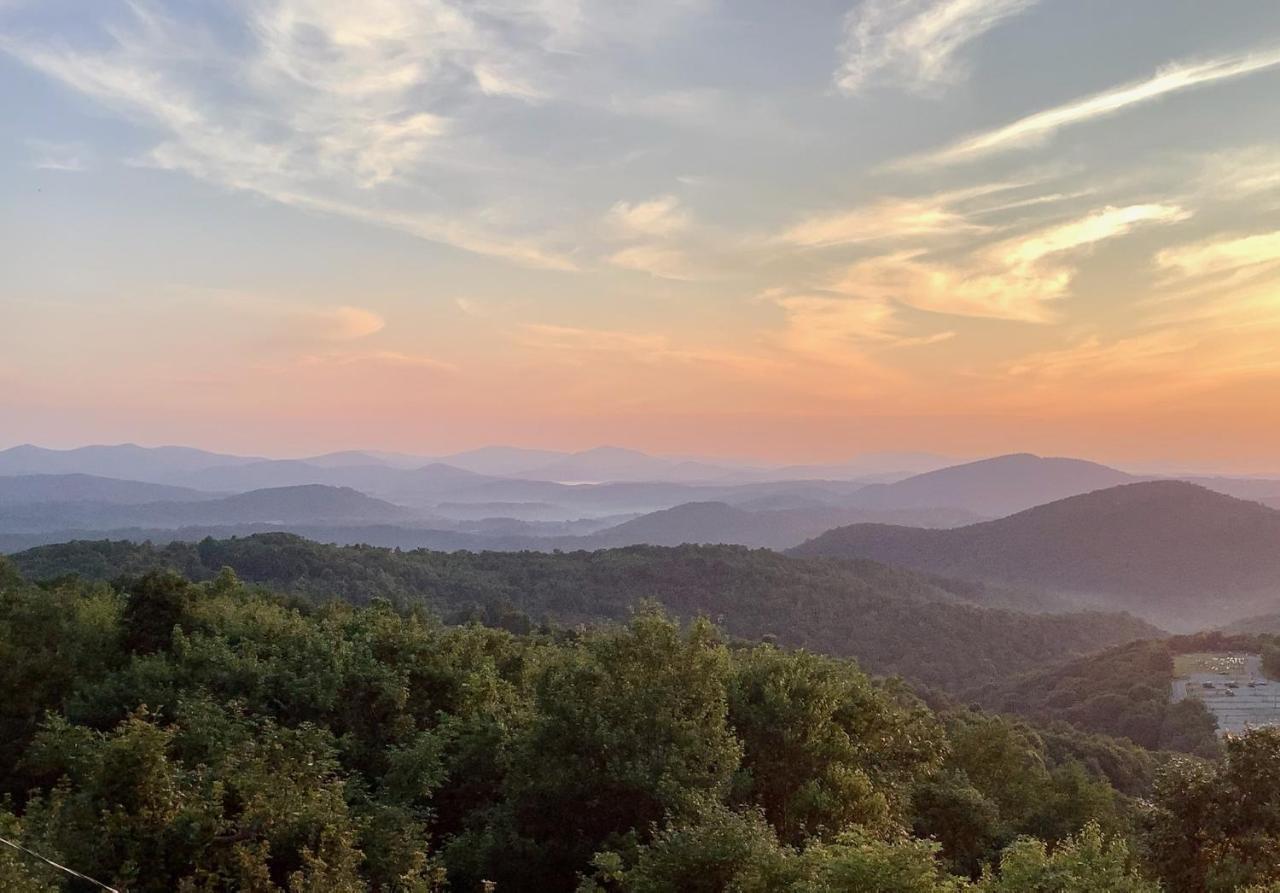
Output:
(71, 871)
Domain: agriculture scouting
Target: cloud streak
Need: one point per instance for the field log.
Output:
(364, 113)
(662, 216)
(887, 218)
(915, 44)
(1017, 278)
(1036, 129)
(47, 155)
(1221, 256)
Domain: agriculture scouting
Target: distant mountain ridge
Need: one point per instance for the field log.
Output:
(1174, 552)
(307, 503)
(548, 486)
(126, 461)
(997, 486)
(62, 488)
(602, 464)
(720, 523)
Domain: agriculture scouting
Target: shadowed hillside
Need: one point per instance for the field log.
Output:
(1176, 553)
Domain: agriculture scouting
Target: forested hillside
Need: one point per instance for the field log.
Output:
(893, 621)
(159, 735)
(1123, 691)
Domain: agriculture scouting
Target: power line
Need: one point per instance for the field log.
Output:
(71, 871)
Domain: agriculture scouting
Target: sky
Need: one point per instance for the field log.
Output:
(739, 228)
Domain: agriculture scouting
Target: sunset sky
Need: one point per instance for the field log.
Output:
(745, 228)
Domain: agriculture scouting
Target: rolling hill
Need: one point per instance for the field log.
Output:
(893, 621)
(1181, 555)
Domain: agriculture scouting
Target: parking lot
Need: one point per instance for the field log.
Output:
(1232, 687)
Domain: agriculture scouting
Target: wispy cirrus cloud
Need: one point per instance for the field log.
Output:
(1229, 282)
(915, 44)
(836, 329)
(1017, 278)
(661, 216)
(582, 346)
(367, 113)
(955, 212)
(50, 155)
(338, 323)
(1037, 128)
(1221, 255)
(886, 218)
(375, 358)
(1106, 371)
(662, 261)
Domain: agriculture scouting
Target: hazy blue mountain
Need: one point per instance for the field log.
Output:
(502, 460)
(292, 473)
(60, 488)
(869, 468)
(308, 502)
(127, 461)
(1265, 490)
(1179, 554)
(608, 463)
(718, 522)
(378, 480)
(304, 504)
(453, 526)
(346, 459)
(998, 486)
(644, 497)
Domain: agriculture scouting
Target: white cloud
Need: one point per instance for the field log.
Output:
(1241, 173)
(659, 260)
(366, 111)
(1017, 278)
(375, 358)
(1219, 256)
(583, 347)
(915, 43)
(662, 216)
(886, 218)
(48, 155)
(279, 321)
(1041, 126)
(340, 323)
(911, 217)
(834, 328)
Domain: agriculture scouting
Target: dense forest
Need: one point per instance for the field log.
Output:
(930, 630)
(167, 735)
